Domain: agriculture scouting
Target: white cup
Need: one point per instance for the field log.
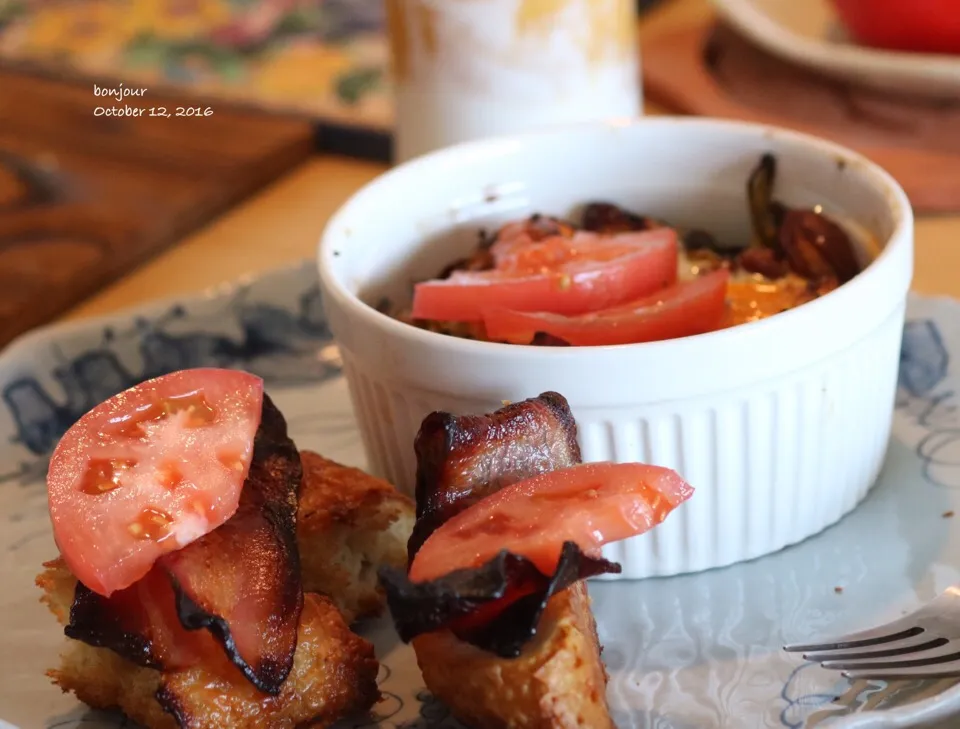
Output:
(466, 69)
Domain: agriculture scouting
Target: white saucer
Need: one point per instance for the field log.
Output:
(808, 33)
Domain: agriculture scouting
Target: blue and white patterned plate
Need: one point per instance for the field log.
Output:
(690, 652)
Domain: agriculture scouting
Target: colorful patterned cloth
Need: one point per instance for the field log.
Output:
(325, 58)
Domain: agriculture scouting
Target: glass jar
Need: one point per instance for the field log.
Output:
(465, 69)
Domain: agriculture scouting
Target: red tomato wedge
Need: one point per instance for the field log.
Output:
(557, 275)
(688, 308)
(925, 26)
(590, 504)
(151, 470)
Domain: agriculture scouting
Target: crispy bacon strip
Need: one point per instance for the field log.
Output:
(241, 582)
(460, 460)
(496, 606)
(139, 623)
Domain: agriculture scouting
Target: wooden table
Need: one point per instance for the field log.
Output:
(283, 224)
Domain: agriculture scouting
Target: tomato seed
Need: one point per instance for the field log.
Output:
(199, 508)
(231, 460)
(199, 413)
(150, 524)
(169, 475)
(103, 474)
(130, 429)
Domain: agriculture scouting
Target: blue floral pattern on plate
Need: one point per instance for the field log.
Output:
(690, 652)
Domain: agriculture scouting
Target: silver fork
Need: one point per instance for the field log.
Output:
(923, 644)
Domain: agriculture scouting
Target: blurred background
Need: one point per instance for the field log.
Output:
(323, 58)
(327, 59)
(126, 125)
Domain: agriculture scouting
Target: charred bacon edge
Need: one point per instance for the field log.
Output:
(269, 675)
(425, 607)
(86, 625)
(170, 703)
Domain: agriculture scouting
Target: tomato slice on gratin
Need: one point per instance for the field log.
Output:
(559, 275)
(683, 310)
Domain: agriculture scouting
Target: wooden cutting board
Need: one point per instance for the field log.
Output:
(709, 70)
(85, 197)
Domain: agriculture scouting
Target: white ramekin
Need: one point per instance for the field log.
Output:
(781, 425)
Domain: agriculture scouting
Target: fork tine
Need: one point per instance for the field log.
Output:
(946, 652)
(920, 642)
(888, 633)
(936, 670)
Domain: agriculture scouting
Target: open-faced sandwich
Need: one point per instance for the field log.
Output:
(509, 524)
(208, 571)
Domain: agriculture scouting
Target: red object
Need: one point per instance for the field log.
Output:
(560, 275)
(149, 471)
(923, 26)
(689, 308)
(590, 504)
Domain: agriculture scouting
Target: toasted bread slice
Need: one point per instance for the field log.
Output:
(557, 682)
(334, 675)
(349, 524)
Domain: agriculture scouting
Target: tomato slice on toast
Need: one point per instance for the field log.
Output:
(150, 470)
(589, 504)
